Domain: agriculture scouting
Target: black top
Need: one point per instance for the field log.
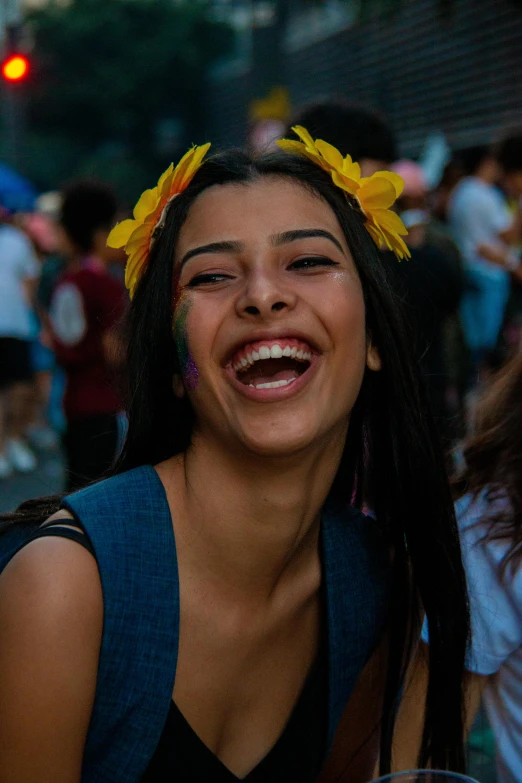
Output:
(297, 756)
(182, 757)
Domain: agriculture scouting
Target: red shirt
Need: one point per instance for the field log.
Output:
(86, 303)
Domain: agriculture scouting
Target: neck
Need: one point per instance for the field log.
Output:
(250, 522)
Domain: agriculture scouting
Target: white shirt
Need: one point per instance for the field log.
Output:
(496, 626)
(17, 264)
(477, 214)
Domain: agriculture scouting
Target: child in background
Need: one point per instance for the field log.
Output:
(86, 305)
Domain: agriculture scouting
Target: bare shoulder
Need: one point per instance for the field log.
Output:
(51, 619)
(53, 571)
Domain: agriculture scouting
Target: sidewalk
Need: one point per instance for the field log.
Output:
(47, 479)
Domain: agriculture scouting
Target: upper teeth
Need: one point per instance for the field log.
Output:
(272, 352)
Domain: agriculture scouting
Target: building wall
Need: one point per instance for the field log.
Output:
(462, 76)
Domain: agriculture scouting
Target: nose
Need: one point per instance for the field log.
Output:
(264, 295)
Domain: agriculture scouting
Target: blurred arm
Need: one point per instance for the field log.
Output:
(410, 719)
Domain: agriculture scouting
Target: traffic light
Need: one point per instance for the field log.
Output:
(15, 68)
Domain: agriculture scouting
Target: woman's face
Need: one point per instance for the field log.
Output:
(269, 318)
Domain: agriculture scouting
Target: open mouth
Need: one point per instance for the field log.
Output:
(270, 364)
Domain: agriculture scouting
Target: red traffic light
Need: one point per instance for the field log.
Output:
(15, 68)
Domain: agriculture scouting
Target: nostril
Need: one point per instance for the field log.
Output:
(252, 310)
(278, 306)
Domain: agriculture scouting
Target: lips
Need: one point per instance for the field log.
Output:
(271, 364)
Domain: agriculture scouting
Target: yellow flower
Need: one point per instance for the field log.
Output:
(136, 235)
(375, 194)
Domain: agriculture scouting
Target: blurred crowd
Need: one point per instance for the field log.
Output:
(62, 294)
(61, 302)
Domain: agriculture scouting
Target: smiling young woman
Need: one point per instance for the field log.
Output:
(232, 613)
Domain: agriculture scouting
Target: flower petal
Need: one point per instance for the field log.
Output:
(395, 179)
(135, 268)
(139, 237)
(164, 177)
(147, 203)
(121, 232)
(304, 136)
(351, 169)
(375, 234)
(377, 226)
(389, 220)
(193, 165)
(376, 193)
(294, 147)
(330, 154)
(350, 185)
(397, 245)
(187, 167)
(199, 154)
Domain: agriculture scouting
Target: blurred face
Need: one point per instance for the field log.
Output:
(512, 182)
(269, 318)
(370, 166)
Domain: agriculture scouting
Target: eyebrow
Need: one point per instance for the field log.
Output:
(230, 246)
(304, 233)
(213, 247)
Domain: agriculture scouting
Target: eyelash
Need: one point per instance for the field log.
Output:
(310, 262)
(207, 279)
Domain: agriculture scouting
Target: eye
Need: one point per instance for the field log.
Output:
(312, 262)
(208, 278)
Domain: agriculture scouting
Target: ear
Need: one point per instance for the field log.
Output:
(373, 359)
(177, 386)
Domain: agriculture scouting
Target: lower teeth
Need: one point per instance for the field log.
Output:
(273, 385)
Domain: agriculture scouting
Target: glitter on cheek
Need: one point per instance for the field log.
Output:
(189, 370)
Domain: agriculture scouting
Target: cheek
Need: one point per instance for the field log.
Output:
(196, 325)
(348, 333)
(182, 318)
(347, 320)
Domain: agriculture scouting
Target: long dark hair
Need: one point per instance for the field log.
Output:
(493, 460)
(392, 459)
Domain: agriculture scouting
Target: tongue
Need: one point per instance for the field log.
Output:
(271, 370)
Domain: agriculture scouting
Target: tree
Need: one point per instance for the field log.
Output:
(108, 75)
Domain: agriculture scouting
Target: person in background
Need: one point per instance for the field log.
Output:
(355, 130)
(41, 231)
(86, 306)
(53, 264)
(18, 275)
(432, 287)
(509, 155)
(489, 516)
(451, 176)
(485, 231)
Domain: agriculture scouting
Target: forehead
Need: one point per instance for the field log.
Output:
(267, 206)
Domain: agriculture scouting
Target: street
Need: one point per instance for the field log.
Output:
(47, 479)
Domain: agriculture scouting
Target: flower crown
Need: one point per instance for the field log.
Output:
(137, 235)
(374, 195)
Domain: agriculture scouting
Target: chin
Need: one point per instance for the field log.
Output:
(273, 441)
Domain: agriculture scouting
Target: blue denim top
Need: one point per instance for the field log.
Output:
(128, 521)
